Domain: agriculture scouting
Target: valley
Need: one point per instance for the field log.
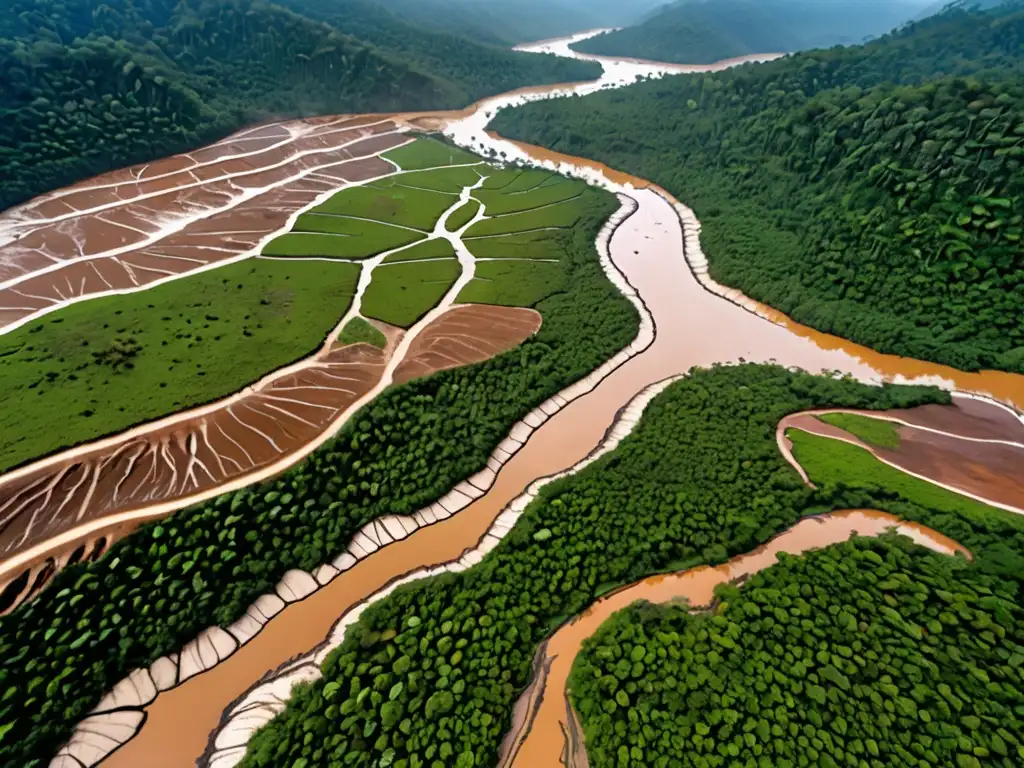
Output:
(587, 354)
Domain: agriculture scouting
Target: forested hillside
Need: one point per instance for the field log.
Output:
(477, 69)
(519, 21)
(89, 86)
(888, 214)
(703, 31)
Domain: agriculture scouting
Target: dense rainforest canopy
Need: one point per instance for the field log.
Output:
(874, 192)
(89, 86)
(703, 31)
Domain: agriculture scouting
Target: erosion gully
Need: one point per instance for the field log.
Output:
(694, 327)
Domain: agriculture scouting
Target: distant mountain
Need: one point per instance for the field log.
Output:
(941, 5)
(518, 21)
(87, 86)
(702, 31)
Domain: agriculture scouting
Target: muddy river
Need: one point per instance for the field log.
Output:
(694, 327)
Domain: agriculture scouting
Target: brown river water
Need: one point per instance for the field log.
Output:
(694, 328)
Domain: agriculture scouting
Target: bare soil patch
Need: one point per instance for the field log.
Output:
(465, 335)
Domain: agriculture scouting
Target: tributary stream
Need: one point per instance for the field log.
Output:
(544, 733)
(694, 327)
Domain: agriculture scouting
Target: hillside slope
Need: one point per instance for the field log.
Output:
(887, 214)
(86, 89)
(518, 21)
(703, 31)
(478, 69)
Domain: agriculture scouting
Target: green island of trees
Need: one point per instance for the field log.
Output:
(88, 87)
(429, 675)
(870, 652)
(874, 192)
(159, 587)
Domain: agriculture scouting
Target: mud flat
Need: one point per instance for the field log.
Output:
(986, 469)
(47, 507)
(544, 733)
(142, 225)
(198, 451)
(467, 334)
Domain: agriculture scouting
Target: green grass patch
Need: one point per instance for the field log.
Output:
(103, 365)
(513, 283)
(401, 294)
(878, 432)
(503, 179)
(530, 245)
(558, 216)
(499, 201)
(531, 179)
(450, 180)
(429, 153)
(392, 202)
(462, 216)
(435, 248)
(338, 237)
(829, 461)
(358, 331)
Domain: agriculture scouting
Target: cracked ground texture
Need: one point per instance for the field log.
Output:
(49, 506)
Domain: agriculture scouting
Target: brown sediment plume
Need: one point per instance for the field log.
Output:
(540, 741)
(987, 469)
(464, 335)
(114, 234)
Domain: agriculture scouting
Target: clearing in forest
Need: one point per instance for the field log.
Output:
(103, 365)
